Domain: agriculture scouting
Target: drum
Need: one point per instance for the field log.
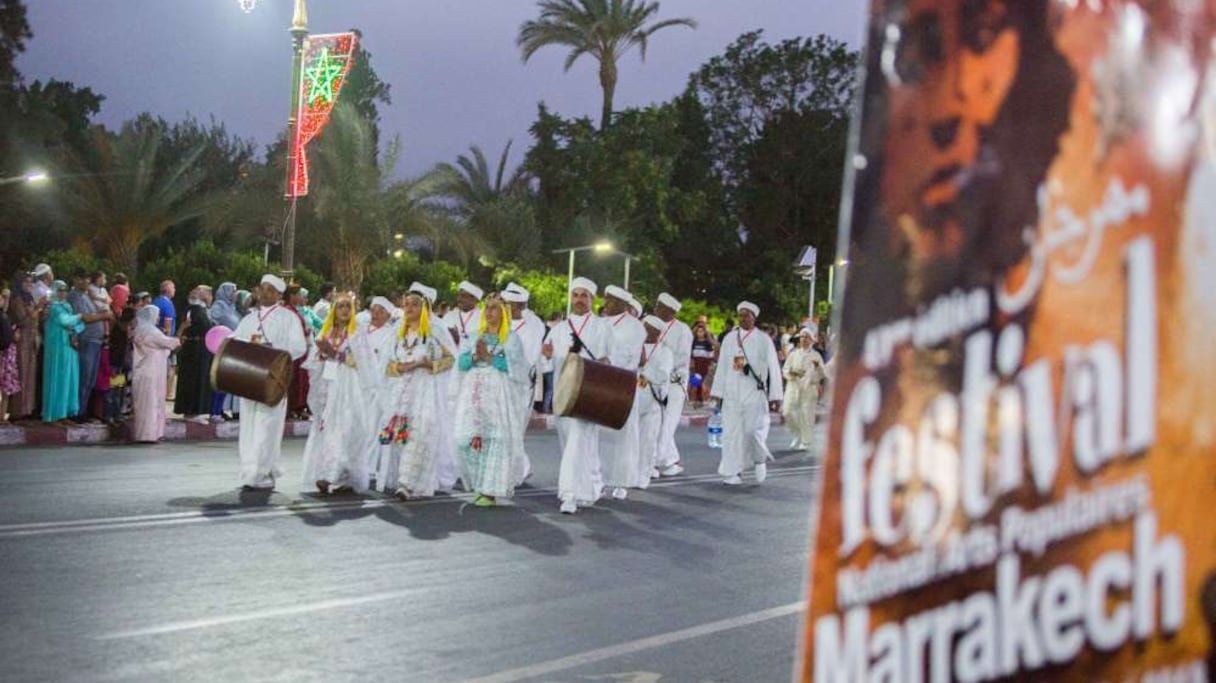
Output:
(594, 391)
(253, 371)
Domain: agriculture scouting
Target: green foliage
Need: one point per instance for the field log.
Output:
(692, 309)
(65, 262)
(14, 31)
(823, 312)
(204, 263)
(547, 291)
(392, 276)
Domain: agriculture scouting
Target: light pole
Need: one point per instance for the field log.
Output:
(299, 31)
(598, 247)
(31, 178)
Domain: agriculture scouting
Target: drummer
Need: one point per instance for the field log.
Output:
(261, 433)
(579, 480)
(619, 447)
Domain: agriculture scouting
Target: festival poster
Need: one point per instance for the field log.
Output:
(1020, 480)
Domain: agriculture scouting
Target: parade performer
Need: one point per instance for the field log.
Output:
(654, 383)
(584, 333)
(531, 332)
(678, 338)
(261, 435)
(619, 447)
(488, 441)
(417, 427)
(804, 375)
(464, 320)
(380, 389)
(344, 423)
(747, 385)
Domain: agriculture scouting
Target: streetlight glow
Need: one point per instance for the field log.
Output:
(36, 177)
(603, 247)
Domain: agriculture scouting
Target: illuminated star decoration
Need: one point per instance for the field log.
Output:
(321, 76)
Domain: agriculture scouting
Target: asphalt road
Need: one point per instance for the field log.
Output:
(148, 564)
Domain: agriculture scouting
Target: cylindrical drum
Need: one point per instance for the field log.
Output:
(595, 391)
(253, 371)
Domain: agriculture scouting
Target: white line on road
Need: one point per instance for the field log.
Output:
(621, 649)
(176, 626)
(29, 529)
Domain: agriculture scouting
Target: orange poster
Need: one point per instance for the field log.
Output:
(1020, 481)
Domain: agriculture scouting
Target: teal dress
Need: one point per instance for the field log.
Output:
(60, 366)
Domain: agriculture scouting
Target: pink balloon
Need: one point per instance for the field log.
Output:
(216, 335)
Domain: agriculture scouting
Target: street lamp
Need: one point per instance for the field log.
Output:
(31, 178)
(601, 247)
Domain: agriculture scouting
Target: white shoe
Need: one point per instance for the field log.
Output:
(673, 470)
(569, 507)
(201, 419)
(654, 473)
(761, 473)
(619, 493)
(735, 480)
(794, 445)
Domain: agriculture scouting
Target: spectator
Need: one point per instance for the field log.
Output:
(142, 299)
(704, 348)
(120, 370)
(120, 294)
(10, 374)
(193, 399)
(149, 374)
(244, 298)
(730, 325)
(89, 341)
(60, 363)
(555, 319)
(43, 279)
(167, 323)
(24, 314)
(223, 309)
(297, 391)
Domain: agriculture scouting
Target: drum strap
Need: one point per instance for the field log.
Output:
(762, 385)
(579, 346)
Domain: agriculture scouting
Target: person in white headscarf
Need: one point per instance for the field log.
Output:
(381, 397)
(342, 428)
(746, 386)
(149, 374)
(654, 382)
(586, 334)
(804, 375)
(260, 440)
(619, 447)
(419, 428)
(678, 338)
(530, 330)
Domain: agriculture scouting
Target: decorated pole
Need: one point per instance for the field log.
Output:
(299, 31)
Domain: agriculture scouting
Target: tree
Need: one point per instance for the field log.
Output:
(14, 31)
(364, 90)
(603, 29)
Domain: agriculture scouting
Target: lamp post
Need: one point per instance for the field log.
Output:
(29, 178)
(299, 31)
(598, 247)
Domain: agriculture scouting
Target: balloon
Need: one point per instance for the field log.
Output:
(695, 380)
(216, 335)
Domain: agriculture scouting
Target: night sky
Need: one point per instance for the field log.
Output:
(456, 75)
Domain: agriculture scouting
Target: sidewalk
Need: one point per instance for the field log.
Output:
(176, 429)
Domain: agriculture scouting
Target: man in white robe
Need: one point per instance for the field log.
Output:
(261, 433)
(619, 447)
(654, 381)
(583, 332)
(747, 386)
(465, 319)
(530, 330)
(677, 337)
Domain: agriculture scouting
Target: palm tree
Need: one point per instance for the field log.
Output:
(604, 29)
(471, 186)
(493, 210)
(124, 195)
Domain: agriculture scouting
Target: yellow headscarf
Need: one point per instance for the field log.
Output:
(328, 325)
(424, 320)
(504, 326)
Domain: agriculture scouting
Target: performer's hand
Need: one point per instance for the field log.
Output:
(739, 363)
(774, 406)
(475, 443)
(255, 339)
(546, 349)
(483, 352)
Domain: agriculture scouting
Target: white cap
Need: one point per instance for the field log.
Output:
(654, 321)
(636, 306)
(584, 283)
(275, 281)
(470, 288)
(514, 297)
(670, 302)
(618, 292)
(518, 289)
(748, 306)
(41, 269)
(425, 292)
(384, 303)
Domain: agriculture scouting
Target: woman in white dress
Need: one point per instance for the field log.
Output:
(416, 429)
(488, 440)
(343, 423)
(804, 374)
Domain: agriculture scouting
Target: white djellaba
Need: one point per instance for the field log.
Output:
(804, 373)
(748, 378)
(654, 390)
(677, 337)
(531, 332)
(619, 447)
(260, 440)
(380, 390)
(344, 423)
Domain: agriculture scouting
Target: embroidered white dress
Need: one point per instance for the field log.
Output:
(420, 397)
(344, 422)
(485, 410)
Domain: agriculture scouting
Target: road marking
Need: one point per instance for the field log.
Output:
(29, 529)
(621, 649)
(177, 626)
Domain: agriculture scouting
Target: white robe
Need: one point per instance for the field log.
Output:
(656, 369)
(579, 475)
(344, 420)
(425, 462)
(619, 447)
(530, 331)
(381, 395)
(745, 419)
(678, 340)
(804, 372)
(261, 431)
(486, 409)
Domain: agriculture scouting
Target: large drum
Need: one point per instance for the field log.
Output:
(253, 371)
(594, 391)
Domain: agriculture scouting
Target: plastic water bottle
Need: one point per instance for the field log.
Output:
(713, 429)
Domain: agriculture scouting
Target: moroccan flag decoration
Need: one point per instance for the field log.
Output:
(1021, 464)
(326, 61)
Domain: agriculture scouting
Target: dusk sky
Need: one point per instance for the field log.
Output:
(456, 75)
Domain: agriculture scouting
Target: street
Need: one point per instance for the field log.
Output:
(126, 563)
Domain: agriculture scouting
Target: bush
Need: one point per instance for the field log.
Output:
(64, 262)
(691, 309)
(547, 291)
(203, 263)
(393, 276)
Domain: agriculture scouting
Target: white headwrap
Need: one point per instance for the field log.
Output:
(425, 292)
(470, 288)
(145, 320)
(519, 290)
(384, 303)
(275, 281)
(655, 322)
(618, 293)
(748, 306)
(584, 283)
(670, 302)
(514, 297)
(636, 306)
